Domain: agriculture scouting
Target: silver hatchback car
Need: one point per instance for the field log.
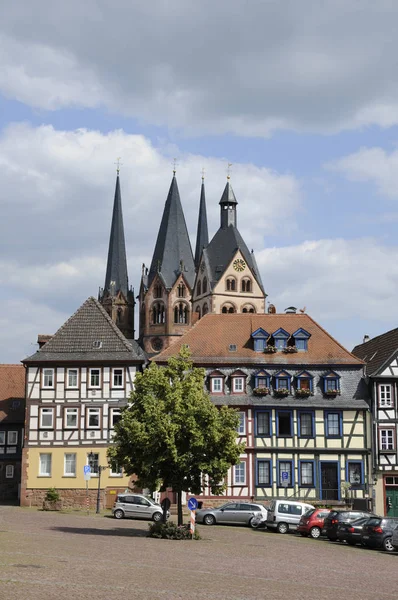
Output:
(240, 513)
(137, 507)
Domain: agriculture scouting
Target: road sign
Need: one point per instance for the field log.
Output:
(87, 472)
(285, 478)
(192, 504)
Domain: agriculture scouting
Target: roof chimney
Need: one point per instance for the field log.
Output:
(366, 338)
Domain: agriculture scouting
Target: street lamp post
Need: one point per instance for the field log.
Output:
(98, 469)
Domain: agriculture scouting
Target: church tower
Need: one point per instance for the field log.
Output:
(116, 297)
(166, 289)
(227, 277)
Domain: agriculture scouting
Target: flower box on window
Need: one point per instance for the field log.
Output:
(269, 350)
(303, 393)
(289, 349)
(332, 392)
(281, 392)
(261, 391)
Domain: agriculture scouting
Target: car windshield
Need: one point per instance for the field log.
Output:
(372, 522)
(309, 512)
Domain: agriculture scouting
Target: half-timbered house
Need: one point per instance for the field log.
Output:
(301, 402)
(381, 357)
(76, 384)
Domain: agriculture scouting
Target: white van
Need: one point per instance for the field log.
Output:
(285, 515)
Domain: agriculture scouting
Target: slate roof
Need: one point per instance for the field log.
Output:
(378, 352)
(172, 244)
(228, 195)
(202, 234)
(75, 339)
(12, 393)
(318, 401)
(210, 338)
(116, 269)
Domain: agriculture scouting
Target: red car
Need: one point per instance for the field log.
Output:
(311, 523)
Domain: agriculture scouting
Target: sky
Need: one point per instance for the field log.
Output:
(301, 98)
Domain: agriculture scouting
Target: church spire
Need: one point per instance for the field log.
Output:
(228, 204)
(202, 234)
(116, 278)
(173, 252)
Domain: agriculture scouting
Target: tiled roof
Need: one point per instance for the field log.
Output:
(210, 338)
(12, 393)
(78, 337)
(378, 351)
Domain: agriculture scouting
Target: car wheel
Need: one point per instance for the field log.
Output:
(253, 523)
(209, 520)
(387, 545)
(315, 533)
(283, 527)
(118, 514)
(157, 516)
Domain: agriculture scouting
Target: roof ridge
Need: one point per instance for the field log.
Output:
(373, 339)
(333, 338)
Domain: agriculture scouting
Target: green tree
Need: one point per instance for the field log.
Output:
(172, 435)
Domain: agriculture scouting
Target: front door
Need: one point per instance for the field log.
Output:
(329, 481)
(392, 501)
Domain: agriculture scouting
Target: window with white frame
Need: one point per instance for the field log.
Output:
(385, 395)
(95, 378)
(333, 424)
(12, 438)
(241, 429)
(2, 438)
(216, 384)
(240, 473)
(72, 378)
(45, 465)
(93, 461)
(238, 384)
(93, 417)
(47, 418)
(355, 473)
(306, 473)
(118, 378)
(9, 471)
(70, 464)
(71, 416)
(306, 420)
(115, 470)
(115, 416)
(387, 439)
(48, 378)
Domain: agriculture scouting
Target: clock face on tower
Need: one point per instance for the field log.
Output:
(239, 265)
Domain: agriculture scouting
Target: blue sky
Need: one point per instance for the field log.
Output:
(302, 99)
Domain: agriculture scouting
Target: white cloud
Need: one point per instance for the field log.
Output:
(210, 66)
(57, 192)
(373, 165)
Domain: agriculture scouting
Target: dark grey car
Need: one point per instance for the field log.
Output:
(138, 507)
(231, 512)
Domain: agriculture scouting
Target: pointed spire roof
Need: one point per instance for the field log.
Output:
(228, 196)
(116, 278)
(89, 334)
(202, 234)
(173, 252)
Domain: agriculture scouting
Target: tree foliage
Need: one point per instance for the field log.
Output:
(171, 435)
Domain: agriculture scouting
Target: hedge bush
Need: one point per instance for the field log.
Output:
(171, 531)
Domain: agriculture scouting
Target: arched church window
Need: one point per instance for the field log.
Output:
(231, 284)
(181, 290)
(158, 291)
(199, 288)
(119, 315)
(205, 285)
(246, 285)
(181, 313)
(228, 307)
(198, 311)
(248, 308)
(158, 313)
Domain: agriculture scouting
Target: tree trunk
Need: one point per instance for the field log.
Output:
(179, 507)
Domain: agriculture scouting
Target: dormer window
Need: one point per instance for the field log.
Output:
(238, 380)
(231, 284)
(301, 337)
(260, 337)
(331, 383)
(304, 384)
(216, 382)
(282, 381)
(261, 380)
(280, 337)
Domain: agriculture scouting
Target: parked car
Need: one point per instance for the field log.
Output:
(378, 532)
(285, 515)
(351, 532)
(138, 507)
(394, 539)
(335, 517)
(311, 523)
(232, 513)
